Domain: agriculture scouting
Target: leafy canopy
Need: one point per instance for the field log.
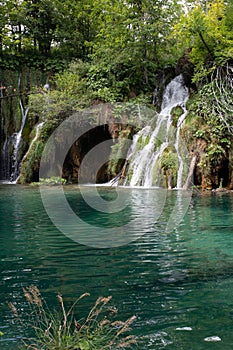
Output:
(208, 32)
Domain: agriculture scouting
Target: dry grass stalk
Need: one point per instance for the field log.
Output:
(128, 341)
(33, 296)
(126, 326)
(60, 299)
(113, 310)
(27, 296)
(14, 310)
(94, 313)
(73, 305)
(48, 329)
(105, 322)
(118, 324)
(36, 295)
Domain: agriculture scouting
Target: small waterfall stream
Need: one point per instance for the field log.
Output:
(149, 145)
(11, 149)
(17, 143)
(181, 163)
(15, 126)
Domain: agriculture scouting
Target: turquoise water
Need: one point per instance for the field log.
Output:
(169, 280)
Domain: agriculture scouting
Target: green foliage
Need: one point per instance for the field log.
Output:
(133, 40)
(208, 32)
(176, 113)
(169, 160)
(31, 162)
(169, 165)
(60, 330)
(142, 141)
(53, 180)
(71, 93)
(125, 42)
(44, 34)
(205, 131)
(137, 111)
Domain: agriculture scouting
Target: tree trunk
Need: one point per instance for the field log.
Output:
(20, 38)
(204, 43)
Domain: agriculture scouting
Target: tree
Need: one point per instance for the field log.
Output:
(40, 21)
(76, 28)
(133, 39)
(207, 33)
(10, 26)
(3, 26)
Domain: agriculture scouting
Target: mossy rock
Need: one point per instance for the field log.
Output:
(169, 160)
(176, 113)
(142, 142)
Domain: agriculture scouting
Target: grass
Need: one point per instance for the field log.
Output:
(60, 330)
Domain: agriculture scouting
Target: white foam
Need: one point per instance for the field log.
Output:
(184, 329)
(214, 338)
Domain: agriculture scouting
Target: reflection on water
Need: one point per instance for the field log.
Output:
(169, 279)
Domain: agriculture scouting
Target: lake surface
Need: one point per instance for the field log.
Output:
(169, 279)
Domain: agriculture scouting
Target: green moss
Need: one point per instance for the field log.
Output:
(169, 159)
(155, 176)
(130, 174)
(158, 143)
(176, 113)
(31, 162)
(26, 131)
(142, 141)
(119, 152)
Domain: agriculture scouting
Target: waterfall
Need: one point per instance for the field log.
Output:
(17, 143)
(181, 163)
(149, 145)
(15, 130)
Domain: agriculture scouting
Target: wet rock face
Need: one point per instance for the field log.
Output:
(94, 146)
(186, 68)
(211, 176)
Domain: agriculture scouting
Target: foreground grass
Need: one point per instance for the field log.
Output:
(59, 329)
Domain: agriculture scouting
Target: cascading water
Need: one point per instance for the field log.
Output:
(149, 145)
(177, 147)
(17, 144)
(13, 118)
(15, 129)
